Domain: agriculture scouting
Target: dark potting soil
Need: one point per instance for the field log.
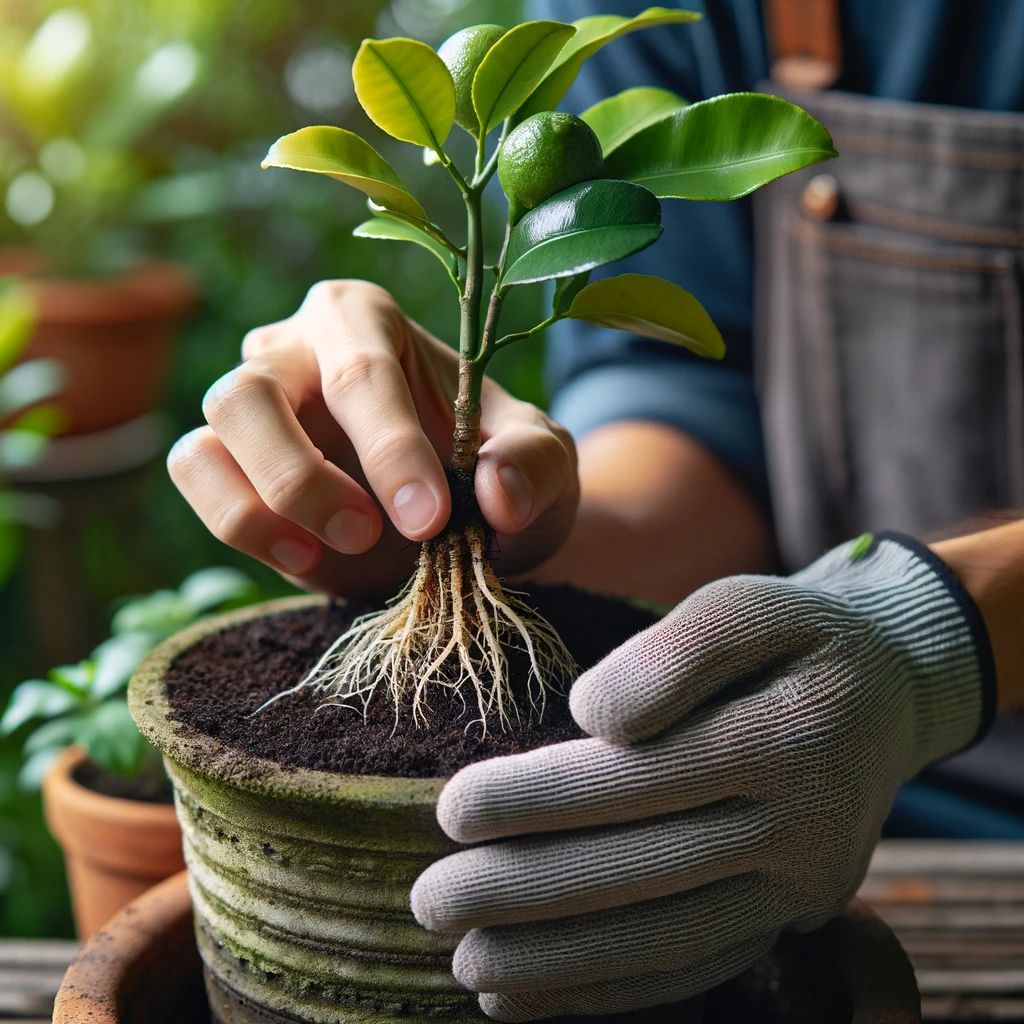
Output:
(216, 685)
(99, 780)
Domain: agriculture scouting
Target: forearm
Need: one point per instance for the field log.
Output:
(990, 565)
(659, 516)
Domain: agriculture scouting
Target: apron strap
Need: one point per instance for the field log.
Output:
(805, 42)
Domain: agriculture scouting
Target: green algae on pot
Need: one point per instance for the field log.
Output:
(300, 878)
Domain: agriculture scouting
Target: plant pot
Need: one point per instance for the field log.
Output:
(111, 335)
(300, 881)
(114, 849)
(143, 968)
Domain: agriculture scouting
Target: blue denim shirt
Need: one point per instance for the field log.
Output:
(934, 51)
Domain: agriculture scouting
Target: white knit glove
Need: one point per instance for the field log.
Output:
(748, 748)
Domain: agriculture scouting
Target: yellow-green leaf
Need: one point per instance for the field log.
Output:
(591, 35)
(406, 90)
(16, 316)
(651, 306)
(513, 67)
(620, 117)
(343, 155)
(389, 229)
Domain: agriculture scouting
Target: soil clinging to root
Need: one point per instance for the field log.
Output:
(217, 684)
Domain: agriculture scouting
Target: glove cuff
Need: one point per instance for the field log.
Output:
(933, 629)
(977, 631)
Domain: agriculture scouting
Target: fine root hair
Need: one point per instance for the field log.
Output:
(451, 629)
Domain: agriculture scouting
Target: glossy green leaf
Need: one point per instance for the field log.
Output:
(591, 35)
(722, 148)
(513, 67)
(36, 766)
(392, 230)
(406, 90)
(16, 316)
(343, 155)
(59, 732)
(27, 383)
(162, 612)
(655, 308)
(110, 738)
(566, 289)
(620, 117)
(586, 226)
(35, 698)
(117, 658)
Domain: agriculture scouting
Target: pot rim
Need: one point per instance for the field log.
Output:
(61, 788)
(213, 759)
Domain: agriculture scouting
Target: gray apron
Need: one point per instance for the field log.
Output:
(890, 344)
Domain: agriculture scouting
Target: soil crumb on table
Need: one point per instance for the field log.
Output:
(216, 685)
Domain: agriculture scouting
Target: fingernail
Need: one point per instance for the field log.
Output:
(349, 531)
(415, 506)
(518, 491)
(294, 556)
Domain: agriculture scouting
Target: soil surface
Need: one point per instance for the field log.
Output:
(146, 790)
(216, 685)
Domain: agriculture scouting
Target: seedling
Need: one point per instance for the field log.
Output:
(583, 192)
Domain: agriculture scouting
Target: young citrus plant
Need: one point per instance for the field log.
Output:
(583, 192)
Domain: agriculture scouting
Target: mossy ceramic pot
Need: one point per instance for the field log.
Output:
(300, 884)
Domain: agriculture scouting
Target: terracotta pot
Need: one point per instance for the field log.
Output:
(114, 849)
(300, 881)
(143, 968)
(112, 335)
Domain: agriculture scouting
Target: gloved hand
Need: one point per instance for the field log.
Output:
(746, 751)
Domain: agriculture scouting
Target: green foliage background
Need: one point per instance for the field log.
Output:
(256, 240)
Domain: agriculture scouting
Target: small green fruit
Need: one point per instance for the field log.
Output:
(546, 154)
(462, 54)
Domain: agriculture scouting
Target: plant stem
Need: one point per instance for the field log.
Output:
(494, 306)
(508, 339)
(466, 440)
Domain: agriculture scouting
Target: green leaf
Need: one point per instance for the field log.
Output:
(406, 90)
(35, 698)
(722, 148)
(591, 35)
(346, 157)
(389, 229)
(162, 612)
(28, 383)
(110, 738)
(211, 588)
(17, 314)
(117, 658)
(566, 289)
(620, 117)
(74, 678)
(34, 768)
(650, 306)
(60, 732)
(586, 226)
(513, 67)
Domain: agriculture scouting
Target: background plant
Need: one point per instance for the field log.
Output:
(583, 193)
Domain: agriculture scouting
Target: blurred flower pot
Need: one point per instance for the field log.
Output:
(114, 849)
(300, 881)
(112, 335)
(142, 967)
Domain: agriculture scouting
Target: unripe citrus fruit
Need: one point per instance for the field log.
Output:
(544, 155)
(462, 54)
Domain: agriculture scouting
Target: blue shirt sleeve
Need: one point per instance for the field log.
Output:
(598, 376)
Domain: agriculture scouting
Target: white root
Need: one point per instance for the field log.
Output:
(451, 627)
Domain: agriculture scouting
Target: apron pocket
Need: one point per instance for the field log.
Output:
(893, 382)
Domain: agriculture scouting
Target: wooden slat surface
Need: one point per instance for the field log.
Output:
(958, 909)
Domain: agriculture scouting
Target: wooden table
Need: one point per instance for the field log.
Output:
(958, 908)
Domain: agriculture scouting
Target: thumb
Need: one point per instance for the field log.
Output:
(732, 630)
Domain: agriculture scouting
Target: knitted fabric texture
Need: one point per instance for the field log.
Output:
(746, 751)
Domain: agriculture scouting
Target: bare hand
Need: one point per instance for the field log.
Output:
(325, 450)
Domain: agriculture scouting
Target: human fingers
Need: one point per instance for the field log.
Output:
(583, 783)
(364, 349)
(731, 631)
(683, 929)
(633, 993)
(252, 411)
(558, 875)
(213, 484)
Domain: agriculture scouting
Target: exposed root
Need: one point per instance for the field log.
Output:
(452, 628)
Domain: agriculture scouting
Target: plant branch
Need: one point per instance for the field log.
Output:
(494, 306)
(448, 164)
(483, 175)
(508, 339)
